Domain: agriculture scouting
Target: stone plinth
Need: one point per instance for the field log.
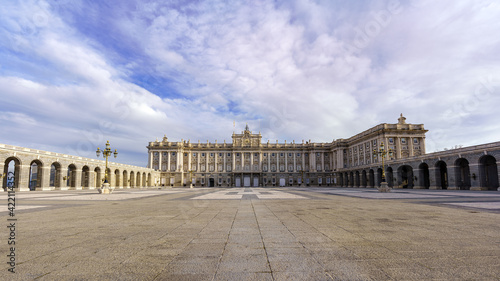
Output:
(384, 187)
(105, 189)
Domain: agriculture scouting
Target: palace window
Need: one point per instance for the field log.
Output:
(220, 154)
(391, 140)
(415, 141)
(298, 154)
(229, 154)
(318, 154)
(228, 168)
(185, 154)
(203, 155)
(272, 154)
(264, 168)
(265, 154)
(237, 155)
(403, 140)
(289, 155)
(374, 142)
(290, 168)
(156, 153)
(173, 153)
(273, 168)
(281, 154)
(282, 168)
(194, 154)
(211, 155)
(256, 155)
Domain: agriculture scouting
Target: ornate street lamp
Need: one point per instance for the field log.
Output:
(382, 152)
(106, 153)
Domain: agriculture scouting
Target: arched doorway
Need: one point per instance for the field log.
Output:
(98, 177)
(71, 176)
(55, 175)
(125, 181)
(363, 179)
(132, 179)
(12, 173)
(357, 179)
(85, 177)
(149, 180)
(211, 182)
(341, 179)
(488, 172)
(406, 176)
(441, 175)
(117, 178)
(379, 177)
(424, 175)
(389, 177)
(351, 179)
(144, 179)
(35, 175)
(371, 178)
(138, 180)
(462, 174)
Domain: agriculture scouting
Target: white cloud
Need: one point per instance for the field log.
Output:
(292, 70)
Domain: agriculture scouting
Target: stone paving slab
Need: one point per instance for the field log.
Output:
(168, 236)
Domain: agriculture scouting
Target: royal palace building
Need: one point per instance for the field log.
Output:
(247, 161)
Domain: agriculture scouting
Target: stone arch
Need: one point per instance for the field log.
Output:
(341, 179)
(405, 176)
(364, 179)
(55, 175)
(132, 179)
(389, 176)
(71, 176)
(351, 179)
(149, 179)
(125, 180)
(143, 179)
(371, 178)
(85, 177)
(379, 177)
(12, 173)
(462, 174)
(441, 174)
(138, 180)
(35, 175)
(99, 180)
(423, 175)
(117, 178)
(488, 172)
(357, 180)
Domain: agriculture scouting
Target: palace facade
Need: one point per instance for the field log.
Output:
(247, 161)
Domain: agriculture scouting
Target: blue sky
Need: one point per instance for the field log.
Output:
(74, 74)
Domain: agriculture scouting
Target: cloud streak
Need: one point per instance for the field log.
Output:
(77, 73)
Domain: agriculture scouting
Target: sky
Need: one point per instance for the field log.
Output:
(76, 73)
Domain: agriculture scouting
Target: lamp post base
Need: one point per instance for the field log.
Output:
(384, 187)
(105, 189)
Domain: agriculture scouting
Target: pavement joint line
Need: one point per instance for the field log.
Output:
(262, 240)
(225, 245)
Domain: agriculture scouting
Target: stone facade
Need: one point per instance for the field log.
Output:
(249, 162)
(31, 169)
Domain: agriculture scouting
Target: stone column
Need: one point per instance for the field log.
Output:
(322, 161)
(452, 181)
(286, 162)
(168, 163)
(63, 184)
(294, 162)
(45, 185)
(92, 180)
(23, 179)
(475, 184)
(189, 161)
(434, 182)
(242, 163)
(159, 161)
(76, 175)
(150, 160)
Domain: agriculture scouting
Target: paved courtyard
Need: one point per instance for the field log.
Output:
(254, 234)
